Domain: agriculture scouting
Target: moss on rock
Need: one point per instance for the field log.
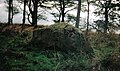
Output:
(61, 36)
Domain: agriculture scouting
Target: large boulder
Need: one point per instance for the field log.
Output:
(62, 36)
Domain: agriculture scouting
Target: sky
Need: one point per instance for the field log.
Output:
(3, 12)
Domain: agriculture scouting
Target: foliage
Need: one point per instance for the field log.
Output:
(106, 51)
(61, 6)
(110, 10)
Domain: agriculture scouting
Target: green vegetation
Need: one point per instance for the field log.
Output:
(17, 55)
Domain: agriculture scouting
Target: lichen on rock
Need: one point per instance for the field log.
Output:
(61, 36)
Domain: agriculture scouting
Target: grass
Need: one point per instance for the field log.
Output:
(16, 55)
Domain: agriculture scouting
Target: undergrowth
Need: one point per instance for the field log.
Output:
(16, 55)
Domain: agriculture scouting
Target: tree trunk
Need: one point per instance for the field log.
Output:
(60, 12)
(107, 4)
(10, 14)
(59, 17)
(35, 13)
(63, 10)
(106, 20)
(25, 1)
(78, 14)
(88, 17)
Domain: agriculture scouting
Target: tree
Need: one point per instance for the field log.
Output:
(12, 10)
(32, 11)
(78, 14)
(107, 8)
(25, 2)
(88, 3)
(33, 8)
(61, 6)
(106, 12)
(10, 14)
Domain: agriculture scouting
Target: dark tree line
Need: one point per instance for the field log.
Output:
(33, 9)
(107, 8)
(33, 5)
(61, 6)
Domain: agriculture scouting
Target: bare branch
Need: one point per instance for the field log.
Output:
(70, 10)
(56, 7)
